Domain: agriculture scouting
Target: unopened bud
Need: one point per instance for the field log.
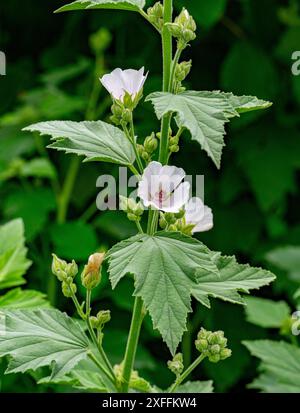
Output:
(172, 228)
(182, 70)
(176, 365)
(170, 218)
(91, 275)
(155, 14)
(150, 143)
(103, 317)
(162, 222)
(225, 353)
(68, 289)
(59, 267)
(174, 148)
(180, 214)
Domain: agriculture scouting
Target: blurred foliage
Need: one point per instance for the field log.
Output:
(54, 61)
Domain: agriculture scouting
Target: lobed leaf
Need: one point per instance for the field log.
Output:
(97, 141)
(37, 338)
(20, 299)
(130, 5)
(13, 261)
(266, 313)
(205, 114)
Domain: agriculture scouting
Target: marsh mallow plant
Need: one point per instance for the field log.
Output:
(166, 264)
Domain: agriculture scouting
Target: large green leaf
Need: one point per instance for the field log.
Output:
(36, 338)
(232, 278)
(19, 299)
(204, 114)
(266, 313)
(164, 266)
(13, 261)
(286, 258)
(196, 387)
(97, 141)
(280, 366)
(131, 5)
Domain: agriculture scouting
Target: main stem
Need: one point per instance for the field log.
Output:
(133, 338)
(138, 312)
(167, 65)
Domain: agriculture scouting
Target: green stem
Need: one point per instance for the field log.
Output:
(97, 362)
(134, 332)
(66, 193)
(139, 227)
(186, 373)
(167, 64)
(133, 143)
(93, 335)
(174, 64)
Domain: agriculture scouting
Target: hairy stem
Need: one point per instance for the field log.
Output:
(167, 65)
(134, 332)
(186, 373)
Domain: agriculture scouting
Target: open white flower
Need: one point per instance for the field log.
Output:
(119, 81)
(161, 187)
(198, 214)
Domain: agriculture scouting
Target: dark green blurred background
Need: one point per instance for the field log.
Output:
(243, 46)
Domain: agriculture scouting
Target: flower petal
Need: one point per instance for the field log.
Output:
(177, 199)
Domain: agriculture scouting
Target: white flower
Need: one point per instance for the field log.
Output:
(198, 214)
(162, 188)
(118, 82)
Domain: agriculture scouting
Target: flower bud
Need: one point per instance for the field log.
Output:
(212, 345)
(146, 156)
(103, 317)
(173, 228)
(180, 214)
(162, 222)
(72, 269)
(183, 29)
(68, 289)
(59, 267)
(176, 365)
(150, 143)
(140, 149)
(155, 14)
(174, 148)
(170, 218)
(186, 21)
(225, 353)
(132, 217)
(91, 275)
(214, 358)
(182, 70)
(94, 322)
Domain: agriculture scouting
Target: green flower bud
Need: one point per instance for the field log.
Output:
(186, 21)
(162, 222)
(215, 349)
(59, 267)
(139, 210)
(170, 218)
(126, 116)
(123, 204)
(68, 289)
(174, 148)
(140, 149)
(201, 345)
(182, 70)
(132, 217)
(176, 365)
(155, 15)
(150, 143)
(180, 214)
(91, 275)
(174, 29)
(103, 317)
(172, 228)
(146, 156)
(72, 269)
(214, 358)
(173, 141)
(94, 322)
(225, 353)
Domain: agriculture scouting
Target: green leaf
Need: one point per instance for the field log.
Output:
(286, 258)
(196, 387)
(97, 141)
(164, 266)
(38, 167)
(13, 261)
(74, 240)
(19, 299)
(233, 277)
(204, 114)
(281, 365)
(131, 5)
(266, 313)
(37, 338)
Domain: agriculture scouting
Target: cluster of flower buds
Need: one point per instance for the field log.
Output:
(121, 115)
(65, 273)
(176, 365)
(173, 144)
(183, 29)
(133, 209)
(175, 222)
(98, 322)
(91, 274)
(181, 72)
(136, 382)
(212, 345)
(150, 145)
(156, 15)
